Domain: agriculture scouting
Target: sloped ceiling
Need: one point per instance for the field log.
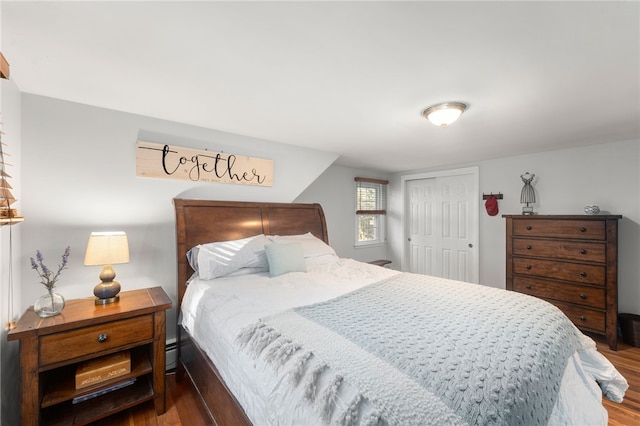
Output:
(346, 77)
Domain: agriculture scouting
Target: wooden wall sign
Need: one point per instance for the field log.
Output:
(4, 67)
(173, 162)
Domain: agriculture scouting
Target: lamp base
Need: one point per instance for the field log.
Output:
(107, 292)
(99, 301)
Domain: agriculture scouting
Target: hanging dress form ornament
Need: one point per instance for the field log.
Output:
(528, 194)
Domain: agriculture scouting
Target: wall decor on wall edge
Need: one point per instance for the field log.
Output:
(156, 160)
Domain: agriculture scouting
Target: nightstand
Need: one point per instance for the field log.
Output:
(51, 348)
(380, 262)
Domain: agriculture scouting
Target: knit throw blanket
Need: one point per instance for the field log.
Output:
(423, 351)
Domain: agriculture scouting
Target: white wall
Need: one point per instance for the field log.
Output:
(566, 180)
(335, 191)
(79, 175)
(10, 237)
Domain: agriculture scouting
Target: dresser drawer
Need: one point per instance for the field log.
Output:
(77, 343)
(576, 272)
(584, 318)
(570, 250)
(577, 229)
(572, 293)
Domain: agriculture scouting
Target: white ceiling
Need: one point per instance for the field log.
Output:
(346, 77)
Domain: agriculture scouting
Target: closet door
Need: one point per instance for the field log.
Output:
(441, 227)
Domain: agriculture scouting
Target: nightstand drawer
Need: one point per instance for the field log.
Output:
(69, 345)
(560, 249)
(580, 229)
(576, 272)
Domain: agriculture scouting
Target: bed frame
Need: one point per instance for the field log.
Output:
(203, 221)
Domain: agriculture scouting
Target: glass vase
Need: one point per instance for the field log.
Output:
(49, 304)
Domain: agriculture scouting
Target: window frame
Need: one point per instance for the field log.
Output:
(378, 212)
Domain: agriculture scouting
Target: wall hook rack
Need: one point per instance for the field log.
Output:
(486, 196)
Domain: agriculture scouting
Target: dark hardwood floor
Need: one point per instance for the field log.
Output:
(627, 361)
(184, 407)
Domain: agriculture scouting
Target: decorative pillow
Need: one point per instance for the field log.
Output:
(285, 258)
(222, 258)
(311, 245)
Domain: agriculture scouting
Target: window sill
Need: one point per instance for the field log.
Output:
(372, 245)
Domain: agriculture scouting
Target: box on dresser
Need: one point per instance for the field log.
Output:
(572, 262)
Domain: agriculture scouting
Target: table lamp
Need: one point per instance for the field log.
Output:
(107, 248)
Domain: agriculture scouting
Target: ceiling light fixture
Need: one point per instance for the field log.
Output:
(444, 114)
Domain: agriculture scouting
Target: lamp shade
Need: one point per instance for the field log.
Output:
(444, 114)
(107, 248)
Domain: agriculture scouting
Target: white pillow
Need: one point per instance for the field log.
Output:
(307, 236)
(225, 257)
(321, 260)
(284, 258)
(311, 245)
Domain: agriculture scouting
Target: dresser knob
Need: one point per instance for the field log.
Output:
(583, 274)
(529, 247)
(583, 229)
(583, 318)
(102, 338)
(583, 251)
(583, 296)
(529, 228)
(528, 266)
(528, 286)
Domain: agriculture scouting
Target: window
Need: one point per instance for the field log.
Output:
(371, 208)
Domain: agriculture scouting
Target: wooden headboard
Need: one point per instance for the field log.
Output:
(205, 221)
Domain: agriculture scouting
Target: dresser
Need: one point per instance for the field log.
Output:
(570, 261)
(51, 349)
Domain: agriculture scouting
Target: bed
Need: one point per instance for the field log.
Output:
(268, 346)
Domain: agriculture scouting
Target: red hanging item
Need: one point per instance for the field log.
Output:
(492, 206)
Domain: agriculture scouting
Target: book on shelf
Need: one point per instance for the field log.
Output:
(99, 392)
(96, 371)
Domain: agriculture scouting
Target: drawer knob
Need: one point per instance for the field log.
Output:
(583, 251)
(583, 274)
(529, 228)
(583, 229)
(529, 247)
(102, 338)
(528, 286)
(583, 317)
(583, 296)
(528, 266)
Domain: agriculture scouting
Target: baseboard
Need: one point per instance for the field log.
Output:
(171, 350)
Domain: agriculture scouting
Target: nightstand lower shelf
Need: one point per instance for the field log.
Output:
(59, 384)
(101, 406)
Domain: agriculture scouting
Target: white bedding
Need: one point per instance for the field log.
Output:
(214, 312)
